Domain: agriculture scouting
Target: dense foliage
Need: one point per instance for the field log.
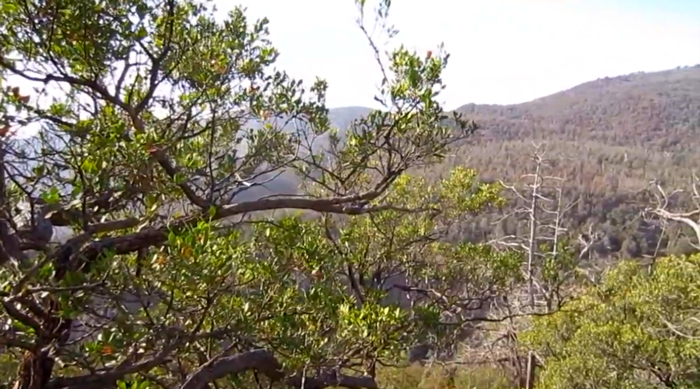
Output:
(165, 117)
(637, 329)
(188, 216)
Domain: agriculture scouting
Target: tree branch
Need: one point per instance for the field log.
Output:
(108, 378)
(265, 362)
(7, 340)
(683, 217)
(152, 237)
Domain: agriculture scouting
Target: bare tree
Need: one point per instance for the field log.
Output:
(663, 209)
(664, 202)
(547, 265)
(543, 207)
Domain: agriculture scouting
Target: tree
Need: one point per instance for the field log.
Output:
(635, 330)
(166, 118)
(664, 203)
(549, 264)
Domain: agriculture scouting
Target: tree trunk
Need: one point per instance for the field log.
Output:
(36, 368)
(531, 365)
(34, 371)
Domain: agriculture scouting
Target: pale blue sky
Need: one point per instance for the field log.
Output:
(503, 51)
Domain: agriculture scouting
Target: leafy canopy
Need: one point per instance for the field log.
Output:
(160, 128)
(635, 330)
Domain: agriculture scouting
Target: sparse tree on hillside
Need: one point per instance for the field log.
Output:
(166, 117)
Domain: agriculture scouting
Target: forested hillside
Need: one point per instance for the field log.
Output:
(607, 139)
(648, 110)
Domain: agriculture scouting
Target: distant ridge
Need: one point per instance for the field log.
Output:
(635, 113)
(650, 106)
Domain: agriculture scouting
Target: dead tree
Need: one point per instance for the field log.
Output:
(663, 204)
(664, 211)
(543, 208)
(548, 262)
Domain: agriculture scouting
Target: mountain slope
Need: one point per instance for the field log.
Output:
(610, 136)
(659, 110)
(607, 139)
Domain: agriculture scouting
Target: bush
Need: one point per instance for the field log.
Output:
(638, 329)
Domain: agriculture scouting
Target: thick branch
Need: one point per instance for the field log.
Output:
(108, 378)
(260, 360)
(681, 217)
(152, 237)
(332, 380)
(10, 341)
(265, 362)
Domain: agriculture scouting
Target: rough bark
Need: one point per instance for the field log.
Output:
(264, 362)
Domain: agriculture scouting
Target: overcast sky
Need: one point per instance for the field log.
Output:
(503, 51)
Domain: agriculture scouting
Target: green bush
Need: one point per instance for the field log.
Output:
(639, 328)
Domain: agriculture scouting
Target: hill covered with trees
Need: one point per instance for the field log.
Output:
(607, 139)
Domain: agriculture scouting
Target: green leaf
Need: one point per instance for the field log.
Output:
(52, 196)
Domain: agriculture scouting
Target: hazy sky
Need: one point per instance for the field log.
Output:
(503, 51)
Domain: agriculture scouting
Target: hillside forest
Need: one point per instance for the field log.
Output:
(187, 215)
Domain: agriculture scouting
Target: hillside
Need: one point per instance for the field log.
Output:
(658, 110)
(633, 128)
(607, 138)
